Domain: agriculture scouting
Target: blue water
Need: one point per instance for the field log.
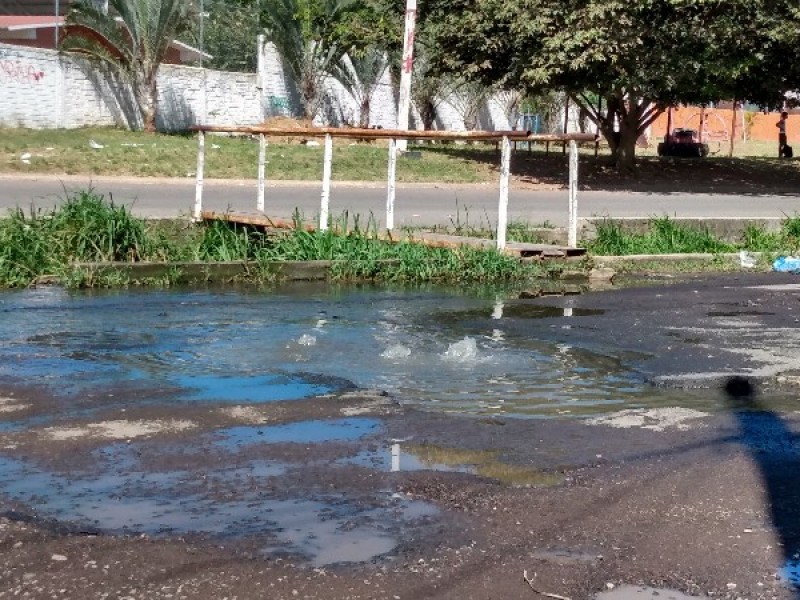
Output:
(201, 350)
(251, 389)
(303, 432)
(245, 346)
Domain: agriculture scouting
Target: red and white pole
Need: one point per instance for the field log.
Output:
(404, 104)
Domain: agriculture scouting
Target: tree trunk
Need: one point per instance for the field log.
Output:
(145, 92)
(363, 115)
(625, 153)
(427, 113)
(624, 119)
(309, 96)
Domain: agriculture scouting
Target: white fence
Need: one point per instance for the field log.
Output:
(503, 137)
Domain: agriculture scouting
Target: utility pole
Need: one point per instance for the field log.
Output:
(58, 26)
(404, 103)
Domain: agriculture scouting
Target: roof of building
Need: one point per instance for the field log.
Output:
(22, 22)
(26, 23)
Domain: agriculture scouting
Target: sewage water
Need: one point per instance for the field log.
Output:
(437, 349)
(98, 352)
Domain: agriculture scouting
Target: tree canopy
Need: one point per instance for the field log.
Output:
(637, 56)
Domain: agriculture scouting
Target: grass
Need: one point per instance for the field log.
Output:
(754, 169)
(55, 246)
(665, 236)
(139, 154)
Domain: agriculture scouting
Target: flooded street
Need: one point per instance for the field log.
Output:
(370, 442)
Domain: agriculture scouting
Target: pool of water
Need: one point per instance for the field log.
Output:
(436, 348)
(200, 352)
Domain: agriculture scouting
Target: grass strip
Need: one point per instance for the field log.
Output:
(665, 236)
(86, 228)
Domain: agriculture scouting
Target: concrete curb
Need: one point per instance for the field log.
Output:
(671, 258)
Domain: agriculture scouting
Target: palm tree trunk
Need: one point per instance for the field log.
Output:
(363, 116)
(145, 92)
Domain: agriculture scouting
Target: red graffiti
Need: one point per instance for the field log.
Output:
(20, 72)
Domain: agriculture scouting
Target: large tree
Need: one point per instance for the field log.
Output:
(230, 30)
(133, 36)
(637, 56)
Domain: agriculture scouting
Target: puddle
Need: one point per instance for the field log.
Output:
(740, 313)
(252, 389)
(790, 572)
(325, 536)
(519, 310)
(207, 353)
(535, 311)
(304, 432)
(435, 348)
(637, 592)
(657, 419)
(183, 502)
(399, 457)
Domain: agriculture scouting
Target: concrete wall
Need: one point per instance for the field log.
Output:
(40, 88)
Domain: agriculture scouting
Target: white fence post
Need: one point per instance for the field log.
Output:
(327, 167)
(262, 161)
(201, 162)
(502, 209)
(391, 188)
(572, 234)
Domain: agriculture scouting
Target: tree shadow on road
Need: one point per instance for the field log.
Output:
(752, 176)
(775, 450)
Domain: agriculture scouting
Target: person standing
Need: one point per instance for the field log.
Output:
(782, 140)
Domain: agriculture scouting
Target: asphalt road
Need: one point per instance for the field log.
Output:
(416, 204)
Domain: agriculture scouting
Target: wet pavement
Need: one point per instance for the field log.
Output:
(413, 443)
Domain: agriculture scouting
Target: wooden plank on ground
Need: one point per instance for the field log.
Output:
(427, 238)
(254, 219)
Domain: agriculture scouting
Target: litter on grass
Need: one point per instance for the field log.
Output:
(786, 264)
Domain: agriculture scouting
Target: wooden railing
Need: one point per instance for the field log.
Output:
(393, 135)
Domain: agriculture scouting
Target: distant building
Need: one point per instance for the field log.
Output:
(37, 8)
(34, 23)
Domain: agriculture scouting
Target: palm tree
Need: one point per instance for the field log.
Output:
(133, 36)
(429, 91)
(360, 74)
(468, 98)
(297, 28)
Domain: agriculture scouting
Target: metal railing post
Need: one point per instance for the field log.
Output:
(572, 234)
(201, 162)
(391, 187)
(327, 167)
(262, 161)
(502, 209)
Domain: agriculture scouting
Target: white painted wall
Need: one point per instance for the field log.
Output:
(41, 89)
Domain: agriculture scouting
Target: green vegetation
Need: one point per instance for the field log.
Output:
(621, 63)
(131, 153)
(664, 236)
(147, 155)
(56, 246)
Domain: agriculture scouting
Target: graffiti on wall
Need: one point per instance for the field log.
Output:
(279, 106)
(17, 71)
